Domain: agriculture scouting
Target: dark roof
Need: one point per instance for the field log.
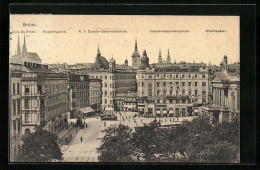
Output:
(221, 76)
(101, 62)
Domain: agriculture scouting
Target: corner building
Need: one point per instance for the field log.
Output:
(170, 90)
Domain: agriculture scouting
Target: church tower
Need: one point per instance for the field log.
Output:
(18, 46)
(24, 47)
(112, 65)
(160, 57)
(168, 57)
(136, 58)
(144, 61)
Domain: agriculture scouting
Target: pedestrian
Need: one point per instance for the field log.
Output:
(141, 120)
(81, 138)
(66, 139)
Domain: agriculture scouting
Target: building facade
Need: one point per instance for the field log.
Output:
(15, 124)
(79, 86)
(126, 102)
(225, 93)
(114, 81)
(45, 99)
(170, 90)
(95, 92)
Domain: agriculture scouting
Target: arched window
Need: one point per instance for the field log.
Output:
(203, 75)
(27, 131)
(105, 84)
(105, 101)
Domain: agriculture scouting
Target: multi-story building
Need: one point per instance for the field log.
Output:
(169, 89)
(114, 80)
(126, 102)
(79, 85)
(95, 93)
(45, 99)
(15, 118)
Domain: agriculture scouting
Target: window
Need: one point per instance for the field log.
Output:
(164, 84)
(196, 75)
(203, 76)
(105, 77)
(189, 84)
(150, 85)
(105, 84)
(158, 92)
(177, 101)
(105, 93)
(27, 90)
(170, 93)
(142, 84)
(196, 92)
(183, 84)
(164, 101)
(203, 83)
(183, 100)
(158, 84)
(196, 84)
(171, 101)
(182, 75)
(203, 93)
(18, 88)
(26, 103)
(189, 92)
(177, 75)
(13, 88)
(164, 92)
(189, 75)
(105, 101)
(27, 117)
(158, 100)
(183, 92)
(14, 107)
(18, 106)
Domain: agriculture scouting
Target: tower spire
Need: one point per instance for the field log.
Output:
(168, 57)
(135, 44)
(24, 47)
(18, 46)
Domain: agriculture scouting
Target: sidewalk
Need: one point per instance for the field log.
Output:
(64, 131)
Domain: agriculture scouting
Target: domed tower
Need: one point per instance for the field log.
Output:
(160, 57)
(144, 61)
(126, 62)
(136, 58)
(112, 65)
(168, 57)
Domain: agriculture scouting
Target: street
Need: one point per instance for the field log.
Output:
(85, 151)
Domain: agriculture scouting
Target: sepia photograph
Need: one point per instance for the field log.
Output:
(124, 88)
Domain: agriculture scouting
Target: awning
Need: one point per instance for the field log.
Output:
(86, 110)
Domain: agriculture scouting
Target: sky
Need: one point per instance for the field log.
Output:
(72, 45)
